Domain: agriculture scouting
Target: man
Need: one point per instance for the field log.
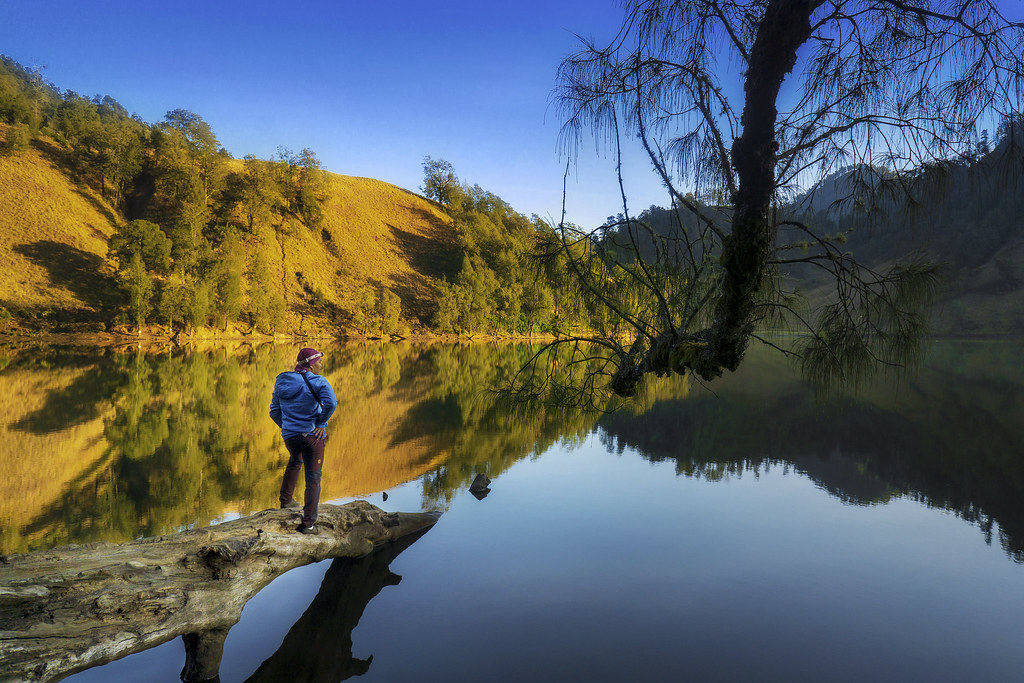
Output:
(303, 401)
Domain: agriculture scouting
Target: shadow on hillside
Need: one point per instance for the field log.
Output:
(63, 161)
(416, 303)
(98, 205)
(430, 257)
(74, 269)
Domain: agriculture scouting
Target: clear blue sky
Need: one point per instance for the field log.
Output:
(371, 87)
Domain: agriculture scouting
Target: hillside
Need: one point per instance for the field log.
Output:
(967, 215)
(56, 273)
(54, 246)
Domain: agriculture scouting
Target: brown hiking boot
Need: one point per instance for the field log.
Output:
(311, 530)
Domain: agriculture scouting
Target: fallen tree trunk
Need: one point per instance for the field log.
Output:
(72, 608)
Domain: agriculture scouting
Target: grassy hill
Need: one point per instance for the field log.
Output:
(53, 251)
(56, 273)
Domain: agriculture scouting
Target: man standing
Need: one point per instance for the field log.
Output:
(303, 401)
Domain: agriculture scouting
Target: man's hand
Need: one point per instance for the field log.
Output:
(320, 433)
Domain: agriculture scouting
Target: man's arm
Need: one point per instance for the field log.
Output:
(328, 402)
(275, 408)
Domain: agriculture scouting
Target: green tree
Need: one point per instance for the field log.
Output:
(145, 239)
(18, 137)
(139, 287)
(266, 301)
(143, 252)
(311, 189)
(14, 102)
(228, 279)
(303, 184)
(188, 165)
(122, 149)
(881, 85)
(260, 193)
(366, 318)
(439, 180)
(446, 316)
(389, 310)
(200, 143)
(176, 299)
(25, 96)
(80, 128)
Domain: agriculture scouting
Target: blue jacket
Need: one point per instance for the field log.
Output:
(295, 409)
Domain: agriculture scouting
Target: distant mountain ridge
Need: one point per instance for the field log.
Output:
(967, 215)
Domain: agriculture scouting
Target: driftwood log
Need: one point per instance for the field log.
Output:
(71, 608)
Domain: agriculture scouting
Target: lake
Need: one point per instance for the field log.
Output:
(742, 531)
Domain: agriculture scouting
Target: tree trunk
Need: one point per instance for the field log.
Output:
(67, 609)
(785, 27)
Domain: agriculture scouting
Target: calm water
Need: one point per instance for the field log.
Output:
(751, 533)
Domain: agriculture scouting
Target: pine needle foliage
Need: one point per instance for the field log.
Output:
(741, 108)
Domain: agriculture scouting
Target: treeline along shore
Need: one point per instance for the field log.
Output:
(113, 224)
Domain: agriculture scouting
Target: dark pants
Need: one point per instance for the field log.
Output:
(308, 452)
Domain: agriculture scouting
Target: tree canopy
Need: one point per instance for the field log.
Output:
(758, 102)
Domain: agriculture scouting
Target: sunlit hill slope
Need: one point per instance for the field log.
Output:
(56, 273)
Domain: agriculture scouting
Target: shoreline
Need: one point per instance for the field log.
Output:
(149, 339)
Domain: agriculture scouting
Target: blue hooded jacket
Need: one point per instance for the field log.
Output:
(295, 409)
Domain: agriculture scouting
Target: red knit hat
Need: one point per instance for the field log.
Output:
(307, 356)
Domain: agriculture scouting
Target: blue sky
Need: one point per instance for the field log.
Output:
(371, 87)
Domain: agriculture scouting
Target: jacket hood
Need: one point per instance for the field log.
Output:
(289, 385)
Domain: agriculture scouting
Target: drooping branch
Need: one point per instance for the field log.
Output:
(878, 89)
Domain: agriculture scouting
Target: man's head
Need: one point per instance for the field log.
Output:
(309, 358)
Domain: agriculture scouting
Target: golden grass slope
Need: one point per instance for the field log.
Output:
(374, 236)
(54, 232)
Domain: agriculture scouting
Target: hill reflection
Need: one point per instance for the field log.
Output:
(952, 438)
(116, 444)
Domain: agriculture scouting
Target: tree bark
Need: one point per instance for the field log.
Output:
(68, 609)
(785, 27)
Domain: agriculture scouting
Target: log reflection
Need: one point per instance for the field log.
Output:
(318, 647)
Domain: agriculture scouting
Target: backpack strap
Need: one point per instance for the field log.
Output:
(312, 390)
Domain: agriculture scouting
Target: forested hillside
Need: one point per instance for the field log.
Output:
(967, 215)
(112, 223)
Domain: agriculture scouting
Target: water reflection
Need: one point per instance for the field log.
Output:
(318, 646)
(952, 437)
(117, 444)
(325, 628)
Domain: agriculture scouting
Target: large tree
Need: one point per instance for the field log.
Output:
(439, 180)
(759, 102)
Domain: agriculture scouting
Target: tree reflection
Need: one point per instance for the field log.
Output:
(947, 439)
(183, 437)
(159, 441)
